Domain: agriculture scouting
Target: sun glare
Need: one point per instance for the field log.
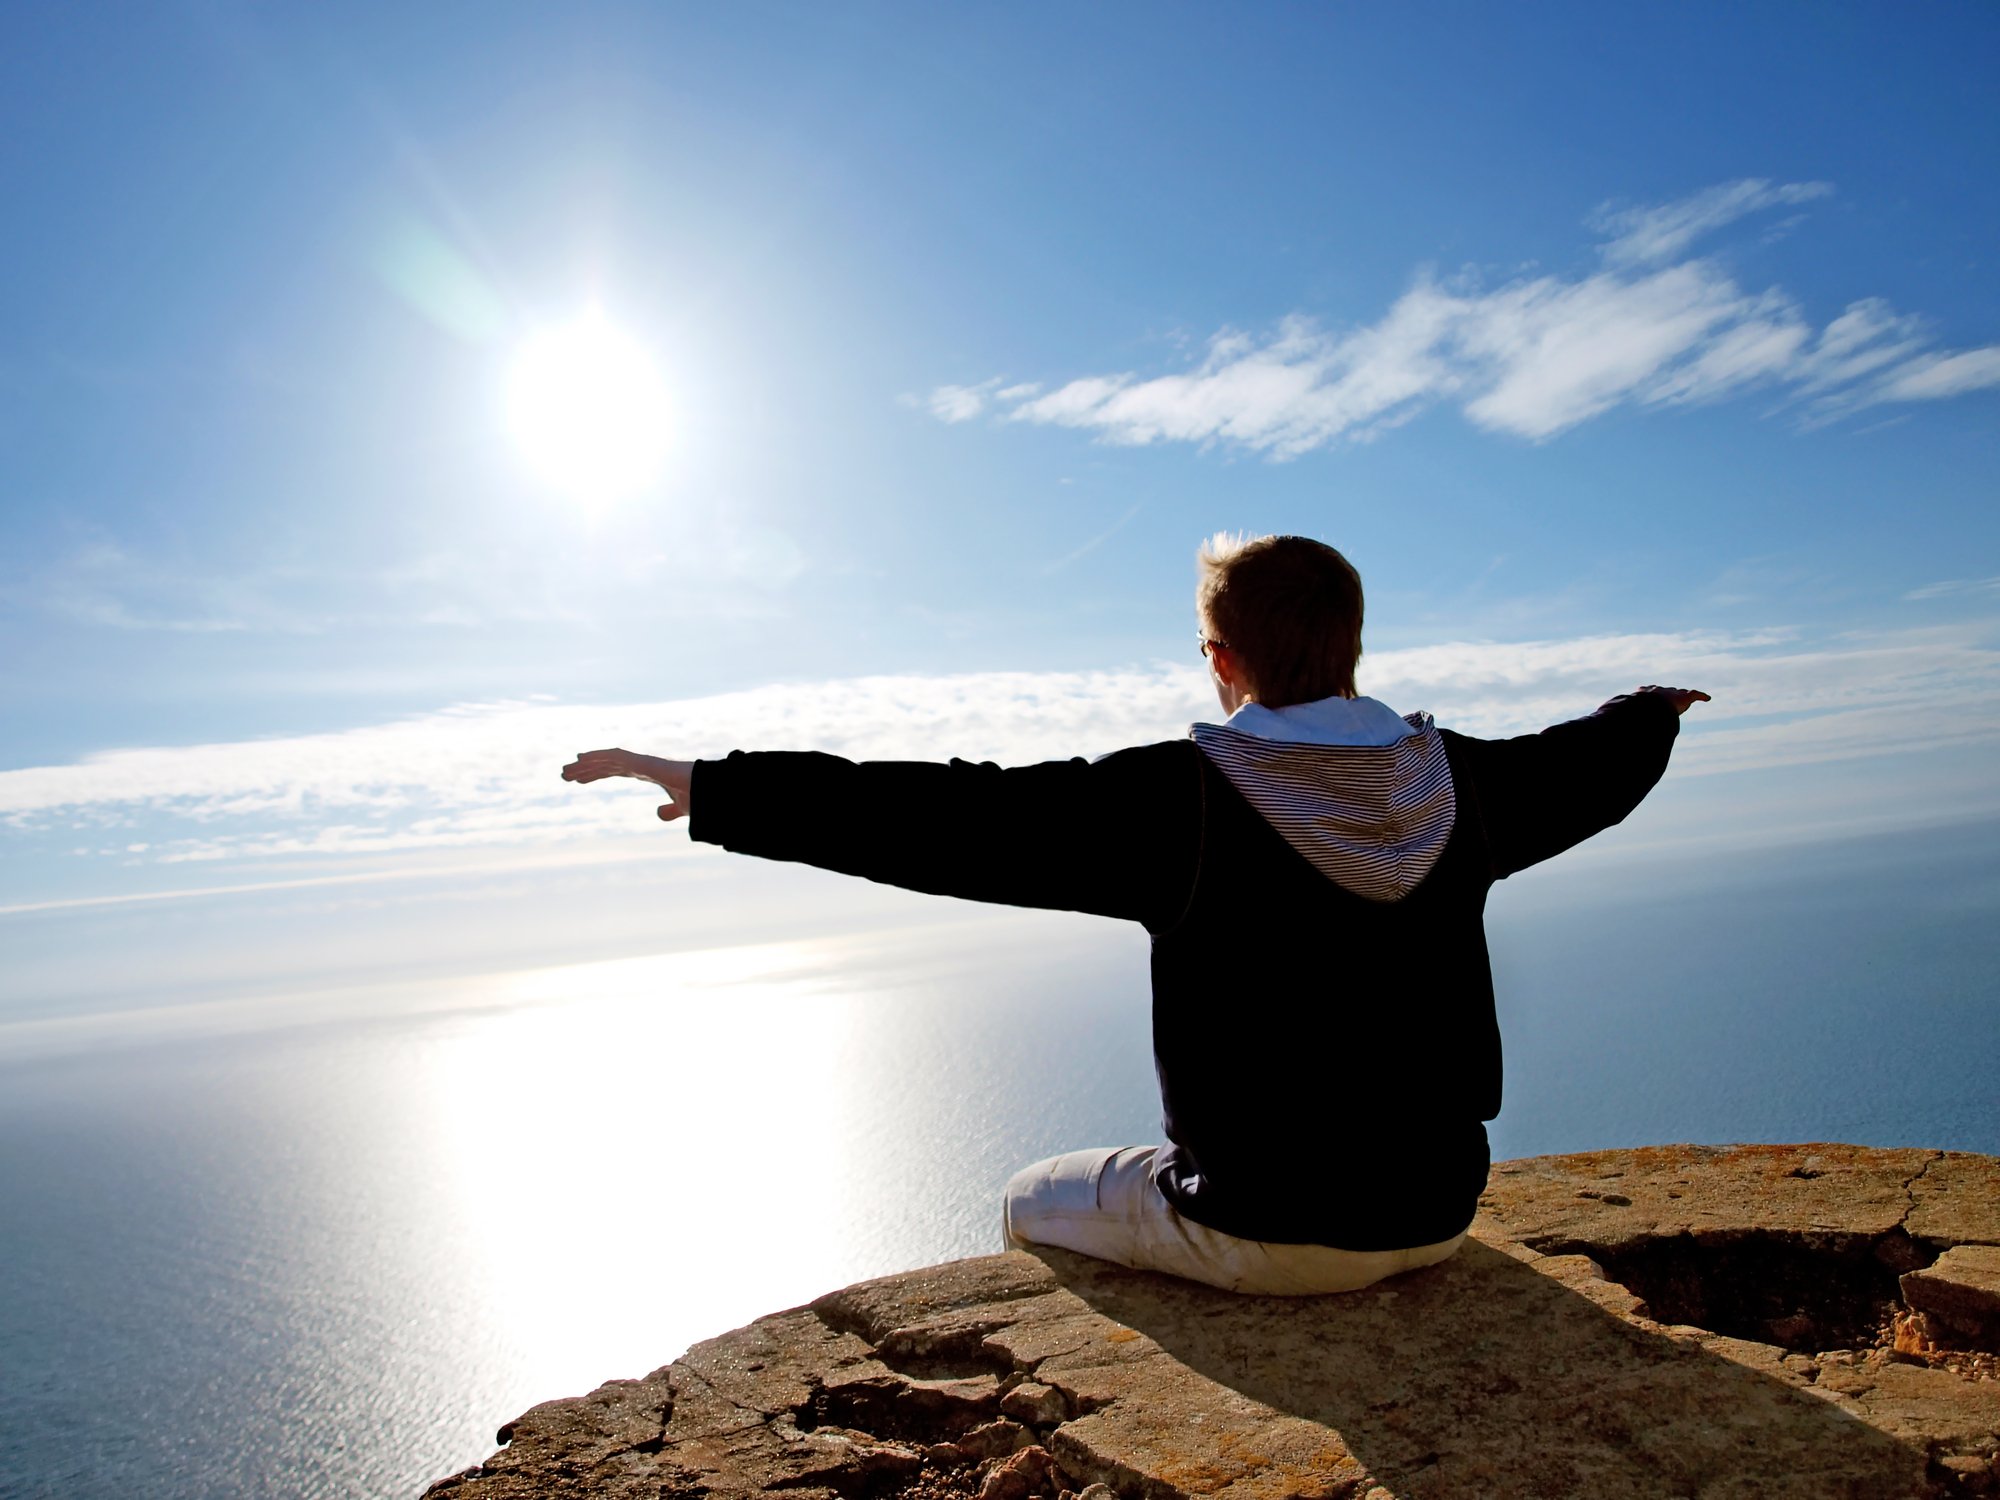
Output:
(589, 410)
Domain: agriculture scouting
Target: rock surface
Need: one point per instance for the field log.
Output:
(1673, 1321)
(1961, 1293)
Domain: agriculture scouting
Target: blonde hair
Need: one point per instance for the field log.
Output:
(1289, 608)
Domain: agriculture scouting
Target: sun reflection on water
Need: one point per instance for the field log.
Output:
(599, 1137)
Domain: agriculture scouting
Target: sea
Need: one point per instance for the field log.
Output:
(326, 1251)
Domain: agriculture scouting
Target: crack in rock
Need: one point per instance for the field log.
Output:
(1910, 1186)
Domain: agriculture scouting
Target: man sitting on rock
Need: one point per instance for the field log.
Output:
(1313, 873)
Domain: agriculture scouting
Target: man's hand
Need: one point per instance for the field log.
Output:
(675, 777)
(1679, 697)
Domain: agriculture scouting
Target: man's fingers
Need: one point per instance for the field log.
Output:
(672, 777)
(670, 811)
(594, 765)
(1682, 698)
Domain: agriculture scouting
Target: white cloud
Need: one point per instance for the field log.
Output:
(1646, 234)
(1075, 404)
(1930, 376)
(961, 403)
(1531, 357)
(1554, 354)
(486, 776)
(1756, 349)
(1860, 342)
(1294, 392)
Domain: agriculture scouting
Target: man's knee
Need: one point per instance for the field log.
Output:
(1053, 1201)
(1012, 1202)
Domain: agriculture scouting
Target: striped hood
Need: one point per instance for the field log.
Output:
(1363, 793)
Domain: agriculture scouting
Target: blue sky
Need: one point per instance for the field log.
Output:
(1612, 344)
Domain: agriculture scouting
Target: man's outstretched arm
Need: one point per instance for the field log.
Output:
(1119, 836)
(1540, 794)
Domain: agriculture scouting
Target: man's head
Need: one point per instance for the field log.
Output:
(1282, 616)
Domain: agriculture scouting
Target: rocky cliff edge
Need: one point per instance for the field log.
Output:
(1813, 1321)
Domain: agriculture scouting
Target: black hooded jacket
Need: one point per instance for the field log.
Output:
(1323, 1020)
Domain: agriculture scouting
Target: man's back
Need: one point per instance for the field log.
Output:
(1326, 1060)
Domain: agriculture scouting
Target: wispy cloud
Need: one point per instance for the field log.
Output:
(1930, 376)
(1531, 357)
(959, 403)
(1949, 586)
(107, 581)
(1661, 231)
(1781, 698)
(101, 583)
(1094, 543)
(485, 776)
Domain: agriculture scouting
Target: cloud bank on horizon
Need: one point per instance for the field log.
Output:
(485, 775)
(1532, 357)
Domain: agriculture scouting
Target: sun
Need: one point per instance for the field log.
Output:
(589, 410)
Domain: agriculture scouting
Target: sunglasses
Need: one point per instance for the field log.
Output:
(1209, 644)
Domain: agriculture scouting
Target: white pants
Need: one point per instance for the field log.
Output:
(1103, 1203)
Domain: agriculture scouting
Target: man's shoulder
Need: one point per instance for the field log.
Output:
(1457, 743)
(1161, 757)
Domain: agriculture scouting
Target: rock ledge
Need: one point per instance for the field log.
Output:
(1813, 1321)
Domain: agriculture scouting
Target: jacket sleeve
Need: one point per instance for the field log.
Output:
(1539, 794)
(1118, 837)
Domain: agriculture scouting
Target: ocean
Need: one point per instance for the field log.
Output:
(325, 1253)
